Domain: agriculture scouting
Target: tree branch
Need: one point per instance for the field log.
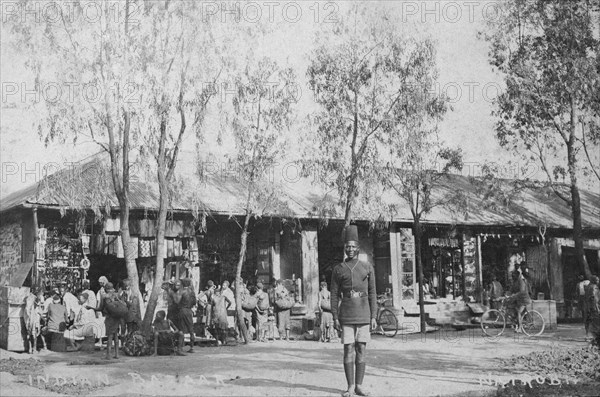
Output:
(102, 145)
(545, 168)
(587, 153)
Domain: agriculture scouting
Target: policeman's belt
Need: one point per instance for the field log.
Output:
(353, 294)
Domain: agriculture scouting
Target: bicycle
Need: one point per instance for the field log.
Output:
(387, 323)
(493, 321)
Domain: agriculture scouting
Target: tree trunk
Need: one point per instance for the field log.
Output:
(160, 262)
(121, 189)
(576, 213)
(418, 233)
(350, 196)
(575, 198)
(128, 250)
(353, 166)
(238, 281)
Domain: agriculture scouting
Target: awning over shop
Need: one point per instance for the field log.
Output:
(19, 274)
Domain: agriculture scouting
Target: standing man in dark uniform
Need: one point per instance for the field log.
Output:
(184, 299)
(354, 307)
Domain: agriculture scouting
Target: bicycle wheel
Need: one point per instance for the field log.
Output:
(533, 323)
(388, 323)
(493, 322)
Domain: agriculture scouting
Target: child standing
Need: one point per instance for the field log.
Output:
(270, 324)
(261, 311)
(326, 316)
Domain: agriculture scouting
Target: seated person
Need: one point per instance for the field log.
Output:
(57, 315)
(84, 324)
(166, 335)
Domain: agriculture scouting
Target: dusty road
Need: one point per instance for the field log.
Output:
(439, 363)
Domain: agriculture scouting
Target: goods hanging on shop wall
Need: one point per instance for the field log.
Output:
(61, 258)
(470, 269)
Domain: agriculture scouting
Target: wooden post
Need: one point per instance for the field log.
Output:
(276, 255)
(35, 281)
(463, 282)
(310, 267)
(396, 263)
(555, 271)
(479, 268)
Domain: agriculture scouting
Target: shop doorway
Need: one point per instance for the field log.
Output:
(331, 249)
(382, 262)
(447, 269)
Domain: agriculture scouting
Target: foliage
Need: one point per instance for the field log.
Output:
(261, 112)
(549, 112)
(141, 76)
(362, 73)
(548, 52)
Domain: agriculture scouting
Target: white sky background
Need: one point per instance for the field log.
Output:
(465, 74)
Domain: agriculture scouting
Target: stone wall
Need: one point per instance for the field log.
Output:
(10, 243)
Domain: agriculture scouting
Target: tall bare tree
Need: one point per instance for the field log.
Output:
(262, 111)
(183, 63)
(419, 162)
(359, 74)
(549, 112)
(83, 70)
(134, 82)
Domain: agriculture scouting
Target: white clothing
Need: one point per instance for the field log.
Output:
(71, 303)
(47, 303)
(228, 293)
(581, 287)
(85, 324)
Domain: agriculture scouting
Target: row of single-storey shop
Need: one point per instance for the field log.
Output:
(49, 238)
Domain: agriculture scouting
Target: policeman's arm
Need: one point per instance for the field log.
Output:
(372, 292)
(334, 294)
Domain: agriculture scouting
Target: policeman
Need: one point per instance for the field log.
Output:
(354, 307)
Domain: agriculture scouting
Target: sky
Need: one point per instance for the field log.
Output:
(465, 76)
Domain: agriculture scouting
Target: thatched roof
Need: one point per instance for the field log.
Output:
(88, 185)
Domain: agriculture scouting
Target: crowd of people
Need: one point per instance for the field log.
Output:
(266, 311)
(63, 319)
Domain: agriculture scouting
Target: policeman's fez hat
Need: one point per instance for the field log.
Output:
(351, 233)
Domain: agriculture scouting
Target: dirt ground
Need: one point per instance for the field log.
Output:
(445, 362)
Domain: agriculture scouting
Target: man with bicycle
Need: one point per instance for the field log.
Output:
(519, 298)
(354, 309)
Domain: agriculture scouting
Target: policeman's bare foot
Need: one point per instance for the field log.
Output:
(177, 352)
(359, 391)
(349, 392)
